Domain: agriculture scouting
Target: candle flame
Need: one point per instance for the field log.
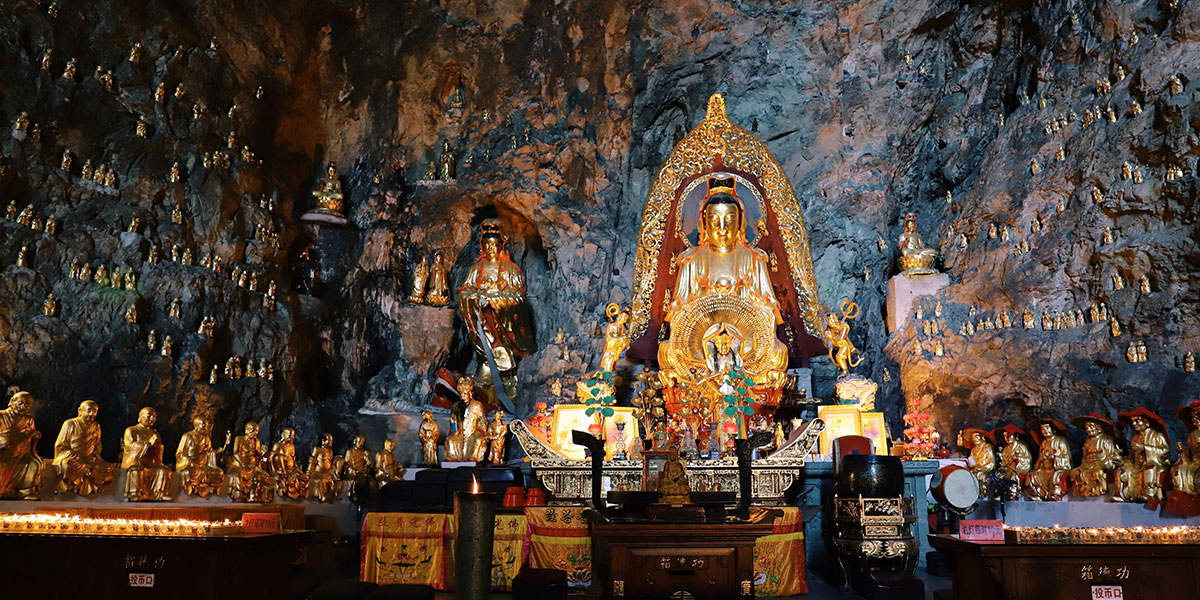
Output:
(474, 485)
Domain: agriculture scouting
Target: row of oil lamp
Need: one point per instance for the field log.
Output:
(1176, 534)
(33, 523)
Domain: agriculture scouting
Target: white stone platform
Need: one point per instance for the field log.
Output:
(904, 290)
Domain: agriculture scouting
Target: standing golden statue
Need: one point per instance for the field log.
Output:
(77, 463)
(616, 336)
(1048, 481)
(20, 466)
(469, 443)
(324, 471)
(915, 258)
(196, 460)
(428, 434)
(290, 479)
(1016, 460)
(438, 292)
(1186, 473)
(420, 274)
(328, 193)
(983, 456)
(837, 335)
(387, 468)
(248, 480)
(146, 477)
(491, 302)
(497, 430)
(1099, 457)
(446, 162)
(1141, 476)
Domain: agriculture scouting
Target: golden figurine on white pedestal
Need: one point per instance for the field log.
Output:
(196, 460)
(248, 480)
(1141, 476)
(324, 471)
(77, 463)
(428, 434)
(387, 468)
(1048, 481)
(290, 479)
(497, 430)
(1099, 457)
(146, 477)
(915, 258)
(20, 466)
(328, 194)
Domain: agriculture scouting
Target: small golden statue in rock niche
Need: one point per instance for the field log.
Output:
(915, 258)
(69, 71)
(290, 479)
(446, 162)
(837, 335)
(387, 468)
(248, 480)
(1048, 481)
(324, 471)
(146, 477)
(20, 466)
(428, 434)
(328, 193)
(1099, 457)
(420, 274)
(497, 430)
(438, 292)
(196, 460)
(1139, 477)
(50, 306)
(673, 485)
(616, 336)
(77, 463)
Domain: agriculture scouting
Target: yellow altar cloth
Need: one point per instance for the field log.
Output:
(405, 548)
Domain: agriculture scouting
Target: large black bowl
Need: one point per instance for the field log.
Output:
(870, 476)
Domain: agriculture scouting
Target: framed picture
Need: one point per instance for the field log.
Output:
(874, 427)
(569, 417)
(652, 464)
(839, 420)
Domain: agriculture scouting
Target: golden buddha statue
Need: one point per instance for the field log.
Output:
(616, 336)
(469, 443)
(497, 430)
(77, 463)
(196, 460)
(723, 287)
(428, 434)
(324, 471)
(357, 460)
(328, 193)
(1047, 481)
(1141, 475)
(290, 479)
(146, 477)
(1099, 457)
(982, 461)
(248, 480)
(446, 162)
(438, 292)
(20, 466)
(915, 258)
(387, 468)
(1186, 473)
(673, 485)
(50, 306)
(420, 274)
(491, 302)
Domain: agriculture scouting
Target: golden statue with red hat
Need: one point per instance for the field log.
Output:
(982, 461)
(1016, 460)
(1100, 456)
(1049, 480)
(1142, 475)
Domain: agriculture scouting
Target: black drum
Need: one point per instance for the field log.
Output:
(870, 476)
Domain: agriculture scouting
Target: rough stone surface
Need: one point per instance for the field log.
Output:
(600, 86)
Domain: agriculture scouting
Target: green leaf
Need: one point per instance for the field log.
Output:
(608, 412)
(741, 391)
(748, 410)
(730, 411)
(589, 411)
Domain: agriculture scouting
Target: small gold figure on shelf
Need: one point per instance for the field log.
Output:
(1139, 477)
(248, 480)
(1118, 281)
(50, 306)
(1189, 362)
(176, 308)
(167, 347)
(431, 172)
(420, 273)
(135, 53)
(131, 312)
(497, 430)
(77, 463)
(446, 162)
(672, 481)
(146, 477)
(65, 162)
(196, 460)
(324, 470)
(1035, 167)
(142, 128)
(20, 466)
(51, 225)
(438, 293)
(175, 173)
(1048, 481)
(1141, 352)
(1144, 284)
(1099, 457)
(69, 72)
(428, 435)
(1114, 326)
(387, 468)
(179, 92)
(1175, 85)
(290, 479)
(47, 60)
(87, 170)
(328, 193)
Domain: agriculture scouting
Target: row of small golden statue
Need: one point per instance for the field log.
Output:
(253, 473)
(1140, 476)
(27, 218)
(430, 285)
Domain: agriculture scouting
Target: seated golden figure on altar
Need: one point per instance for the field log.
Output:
(724, 277)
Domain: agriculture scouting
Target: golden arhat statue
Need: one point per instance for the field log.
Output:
(723, 276)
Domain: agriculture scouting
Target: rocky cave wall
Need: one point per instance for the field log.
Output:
(874, 109)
